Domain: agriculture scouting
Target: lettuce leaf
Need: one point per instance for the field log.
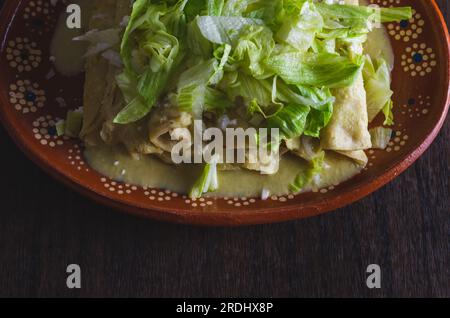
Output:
(362, 16)
(216, 101)
(306, 176)
(224, 30)
(215, 7)
(300, 30)
(291, 121)
(306, 118)
(388, 113)
(254, 45)
(195, 93)
(381, 137)
(191, 99)
(152, 34)
(73, 123)
(316, 69)
(377, 81)
(208, 181)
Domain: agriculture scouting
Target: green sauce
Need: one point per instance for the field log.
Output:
(117, 164)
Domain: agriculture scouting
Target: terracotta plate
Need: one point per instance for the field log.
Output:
(31, 103)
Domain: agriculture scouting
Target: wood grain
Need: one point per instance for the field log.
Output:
(404, 228)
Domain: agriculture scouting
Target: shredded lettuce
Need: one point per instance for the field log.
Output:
(193, 85)
(224, 30)
(60, 127)
(208, 181)
(152, 36)
(278, 59)
(300, 30)
(388, 113)
(381, 137)
(255, 44)
(191, 99)
(309, 116)
(73, 123)
(362, 16)
(204, 7)
(377, 81)
(216, 101)
(215, 7)
(307, 175)
(196, 43)
(200, 74)
(395, 14)
(321, 109)
(318, 119)
(100, 40)
(322, 69)
(291, 121)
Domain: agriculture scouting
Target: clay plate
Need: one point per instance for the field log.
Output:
(31, 104)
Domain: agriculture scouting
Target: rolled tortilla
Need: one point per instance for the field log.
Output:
(97, 68)
(102, 99)
(348, 127)
(359, 156)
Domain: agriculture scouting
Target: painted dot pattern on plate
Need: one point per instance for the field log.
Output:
(282, 198)
(371, 155)
(26, 97)
(399, 140)
(159, 195)
(23, 55)
(39, 16)
(418, 60)
(198, 203)
(76, 159)
(44, 130)
(385, 3)
(118, 187)
(239, 201)
(417, 107)
(407, 30)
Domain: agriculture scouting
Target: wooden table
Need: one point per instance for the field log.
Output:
(404, 227)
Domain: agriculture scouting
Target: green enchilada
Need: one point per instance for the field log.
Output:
(302, 67)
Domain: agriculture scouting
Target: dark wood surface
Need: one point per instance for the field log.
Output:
(404, 227)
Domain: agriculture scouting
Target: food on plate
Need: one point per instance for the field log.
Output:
(307, 69)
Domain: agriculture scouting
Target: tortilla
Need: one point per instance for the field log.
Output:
(102, 99)
(348, 127)
(96, 71)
